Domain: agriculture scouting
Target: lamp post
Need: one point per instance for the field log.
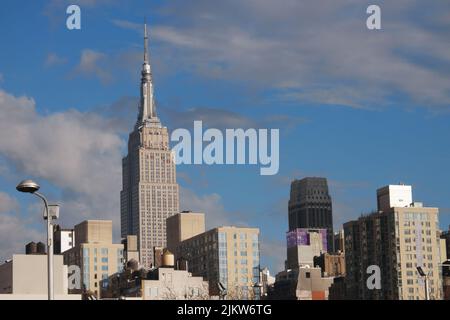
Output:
(425, 276)
(257, 290)
(29, 186)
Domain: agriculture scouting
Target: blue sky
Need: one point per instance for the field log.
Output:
(362, 108)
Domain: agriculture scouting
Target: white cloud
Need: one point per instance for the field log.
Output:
(7, 203)
(53, 59)
(127, 25)
(210, 204)
(94, 63)
(79, 153)
(14, 235)
(314, 52)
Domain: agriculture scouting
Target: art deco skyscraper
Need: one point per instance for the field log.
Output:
(149, 189)
(310, 206)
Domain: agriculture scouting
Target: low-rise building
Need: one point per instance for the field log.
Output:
(24, 277)
(163, 283)
(167, 283)
(95, 254)
(267, 282)
(303, 244)
(304, 283)
(64, 239)
(332, 265)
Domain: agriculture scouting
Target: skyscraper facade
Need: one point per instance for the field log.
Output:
(149, 189)
(310, 206)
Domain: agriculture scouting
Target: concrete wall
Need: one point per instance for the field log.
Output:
(30, 274)
(6, 277)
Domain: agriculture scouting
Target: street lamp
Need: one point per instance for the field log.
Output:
(424, 275)
(29, 186)
(257, 290)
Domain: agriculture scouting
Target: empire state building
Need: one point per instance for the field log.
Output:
(149, 189)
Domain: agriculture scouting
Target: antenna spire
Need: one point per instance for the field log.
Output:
(145, 42)
(147, 109)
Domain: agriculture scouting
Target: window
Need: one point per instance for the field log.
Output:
(104, 268)
(308, 275)
(153, 292)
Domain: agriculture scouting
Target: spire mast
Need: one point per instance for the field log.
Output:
(145, 42)
(147, 109)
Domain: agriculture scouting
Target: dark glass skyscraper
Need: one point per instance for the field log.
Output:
(310, 206)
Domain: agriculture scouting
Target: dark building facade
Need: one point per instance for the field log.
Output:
(310, 206)
(367, 240)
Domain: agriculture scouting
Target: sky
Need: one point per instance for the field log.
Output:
(363, 108)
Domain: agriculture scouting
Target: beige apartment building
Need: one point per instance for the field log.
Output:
(182, 226)
(95, 254)
(229, 255)
(398, 240)
(420, 245)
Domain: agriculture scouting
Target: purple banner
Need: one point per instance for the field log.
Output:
(300, 237)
